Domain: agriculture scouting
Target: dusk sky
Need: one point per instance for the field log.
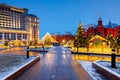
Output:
(64, 15)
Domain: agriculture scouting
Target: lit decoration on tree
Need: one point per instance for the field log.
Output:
(80, 39)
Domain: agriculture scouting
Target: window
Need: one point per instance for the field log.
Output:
(0, 36)
(6, 36)
(13, 36)
(19, 36)
(24, 36)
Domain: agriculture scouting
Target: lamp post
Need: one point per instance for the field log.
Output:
(113, 59)
(27, 52)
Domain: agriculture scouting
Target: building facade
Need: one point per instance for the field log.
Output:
(15, 24)
(63, 39)
(33, 27)
(102, 30)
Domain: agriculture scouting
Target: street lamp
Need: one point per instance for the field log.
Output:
(113, 59)
(27, 52)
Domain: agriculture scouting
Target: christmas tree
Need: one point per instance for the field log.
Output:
(80, 39)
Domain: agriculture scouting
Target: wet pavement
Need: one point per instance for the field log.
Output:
(57, 64)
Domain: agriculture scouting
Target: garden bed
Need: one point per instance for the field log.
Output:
(10, 64)
(87, 65)
(105, 68)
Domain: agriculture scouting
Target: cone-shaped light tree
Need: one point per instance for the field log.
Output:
(80, 39)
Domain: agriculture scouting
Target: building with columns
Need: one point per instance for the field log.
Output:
(17, 24)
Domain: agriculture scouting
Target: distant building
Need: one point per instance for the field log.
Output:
(48, 40)
(17, 24)
(63, 38)
(33, 27)
(104, 31)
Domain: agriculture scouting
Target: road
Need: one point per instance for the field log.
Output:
(57, 64)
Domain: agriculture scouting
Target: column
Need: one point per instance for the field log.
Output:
(16, 36)
(27, 37)
(3, 39)
(22, 37)
(10, 36)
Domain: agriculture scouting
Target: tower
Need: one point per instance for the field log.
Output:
(100, 28)
(100, 22)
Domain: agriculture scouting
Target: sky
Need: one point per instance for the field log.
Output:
(61, 16)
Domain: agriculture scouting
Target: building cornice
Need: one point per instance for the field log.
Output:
(14, 31)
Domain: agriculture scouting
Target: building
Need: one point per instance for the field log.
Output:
(48, 40)
(33, 24)
(99, 44)
(104, 31)
(17, 24)
(63, 39)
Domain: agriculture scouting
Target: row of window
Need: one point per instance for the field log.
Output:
(12, 36)
(4, 8)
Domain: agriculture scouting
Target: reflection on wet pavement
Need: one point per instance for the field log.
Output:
(93, 57)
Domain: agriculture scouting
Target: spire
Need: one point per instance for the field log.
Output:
(80, 24)
(100, 16)
(100, 21)
(80, 28)
(110, 24)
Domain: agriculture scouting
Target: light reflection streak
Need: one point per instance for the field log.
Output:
(94, 58)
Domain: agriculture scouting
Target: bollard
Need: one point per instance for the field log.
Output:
(113, 59)
(27, 54)
(43, 48)
(27, 47)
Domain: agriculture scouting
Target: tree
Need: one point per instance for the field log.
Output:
(48, 41)
(30, 43)
(118, 38)
(111, 41)
(80, 39)
(35, 43)
(24, 42)
(6, 43)
(118, 41)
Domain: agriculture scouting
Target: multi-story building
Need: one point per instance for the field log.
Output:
(104, 31)
(33, 23)
(17, 24)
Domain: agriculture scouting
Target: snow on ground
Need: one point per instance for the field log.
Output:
(108, 65)
(91, 71)
(9, 63)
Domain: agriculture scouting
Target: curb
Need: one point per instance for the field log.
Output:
(109, 74)
(17, 73)
(37, 50)
(88, 53)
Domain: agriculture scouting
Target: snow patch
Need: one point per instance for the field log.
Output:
(18, 61)
(107, 66)
(91, 71)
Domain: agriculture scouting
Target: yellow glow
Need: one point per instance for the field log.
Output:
(14, 31)
(94, 50)
(93, 58)
(18, 10)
